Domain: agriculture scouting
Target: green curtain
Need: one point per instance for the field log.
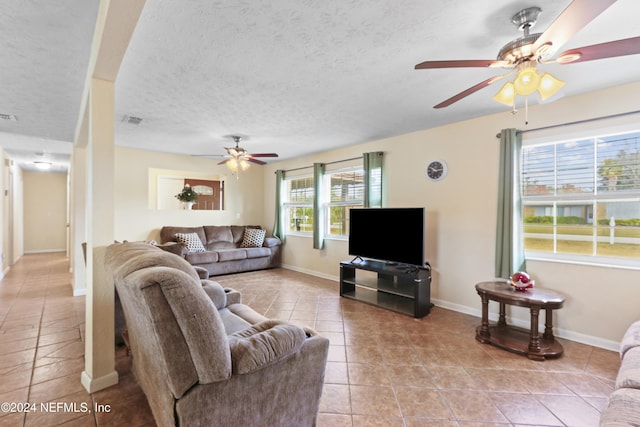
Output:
(509, 246)
(278, 226)
(372, 164)
(318, 220)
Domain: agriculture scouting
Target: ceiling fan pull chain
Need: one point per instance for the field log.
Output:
(526, 110)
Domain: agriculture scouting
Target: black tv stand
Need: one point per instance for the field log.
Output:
(401, 288)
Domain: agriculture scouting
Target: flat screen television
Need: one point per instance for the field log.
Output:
(388, 234)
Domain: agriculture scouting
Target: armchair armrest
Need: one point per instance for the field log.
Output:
(233, 296)
(217, 294)
(264, 344)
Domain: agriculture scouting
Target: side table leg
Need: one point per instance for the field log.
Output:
(548, 325)
(502, 320)
(483, 334)
(534, 343)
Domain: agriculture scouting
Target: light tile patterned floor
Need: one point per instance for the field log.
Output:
(384, 369)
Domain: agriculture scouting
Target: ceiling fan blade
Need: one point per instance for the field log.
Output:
(223, 162)
(480, 63)
(208, 155)
(469, 91)
(576, 16)
(612, 49)
(256, 161)
(264, 155)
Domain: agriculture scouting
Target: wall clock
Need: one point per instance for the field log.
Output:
(436, 170)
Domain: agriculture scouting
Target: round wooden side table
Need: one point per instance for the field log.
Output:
(511, 338)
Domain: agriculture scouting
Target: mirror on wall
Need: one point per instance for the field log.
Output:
(165, 184)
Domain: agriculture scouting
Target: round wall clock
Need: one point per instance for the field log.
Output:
(436, 170)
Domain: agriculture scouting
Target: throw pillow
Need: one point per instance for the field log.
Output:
(253, 238)
(191, 241)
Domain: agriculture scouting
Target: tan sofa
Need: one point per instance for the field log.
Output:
(203, 358)
(223, 253)
(624, 402)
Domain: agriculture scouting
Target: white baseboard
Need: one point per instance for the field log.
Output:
(476, 312)
(311, 272)
(44, 251)
(559, 332)
(96, 384)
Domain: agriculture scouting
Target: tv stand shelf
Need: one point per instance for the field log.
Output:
(396, 287)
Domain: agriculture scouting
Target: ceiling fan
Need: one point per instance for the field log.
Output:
(239, 158)
(524, 53)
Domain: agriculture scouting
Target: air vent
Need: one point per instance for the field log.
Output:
(8, 117)
(132, 120)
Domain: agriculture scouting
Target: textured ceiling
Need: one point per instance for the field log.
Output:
(292, 76)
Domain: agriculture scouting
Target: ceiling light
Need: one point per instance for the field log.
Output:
(43, 166)
(236, 163)
(549, 85)
(233, 164)
(527, 82)
(506, 95)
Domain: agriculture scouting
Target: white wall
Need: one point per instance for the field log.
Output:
(45, 212)
(461, 216)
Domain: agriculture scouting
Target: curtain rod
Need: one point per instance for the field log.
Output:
(328, 163)
(578, 122)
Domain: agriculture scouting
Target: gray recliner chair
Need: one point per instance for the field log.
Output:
(202, 357)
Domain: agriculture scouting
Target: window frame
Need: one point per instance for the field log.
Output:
(287, 204)
(328, 204)
(592, 199)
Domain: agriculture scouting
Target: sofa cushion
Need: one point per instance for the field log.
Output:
(257, 252)
(623, 408)
(631, 338)
(253, 238)
(264, 344)
(629, 372)
(218, 236)
(197, 258)
(168, 233)
(191, 241)
(231, 254)
(232, 322)
(238, 232)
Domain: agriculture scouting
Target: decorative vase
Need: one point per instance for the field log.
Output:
(188, 205)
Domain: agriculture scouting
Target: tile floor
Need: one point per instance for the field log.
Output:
(384, 369)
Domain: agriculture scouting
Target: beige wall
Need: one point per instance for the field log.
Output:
(460, 212)
(135, 220)
(461, 216)
(45, 212)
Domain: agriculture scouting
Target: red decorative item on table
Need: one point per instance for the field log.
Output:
(521, 281)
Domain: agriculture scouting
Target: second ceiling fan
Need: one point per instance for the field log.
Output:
(524, 53)
(239, 158)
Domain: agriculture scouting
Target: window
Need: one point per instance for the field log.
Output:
(346, 191)
(298, 205)
(581, 199)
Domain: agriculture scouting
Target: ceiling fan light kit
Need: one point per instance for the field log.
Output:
(526, 83)
(526, 52)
